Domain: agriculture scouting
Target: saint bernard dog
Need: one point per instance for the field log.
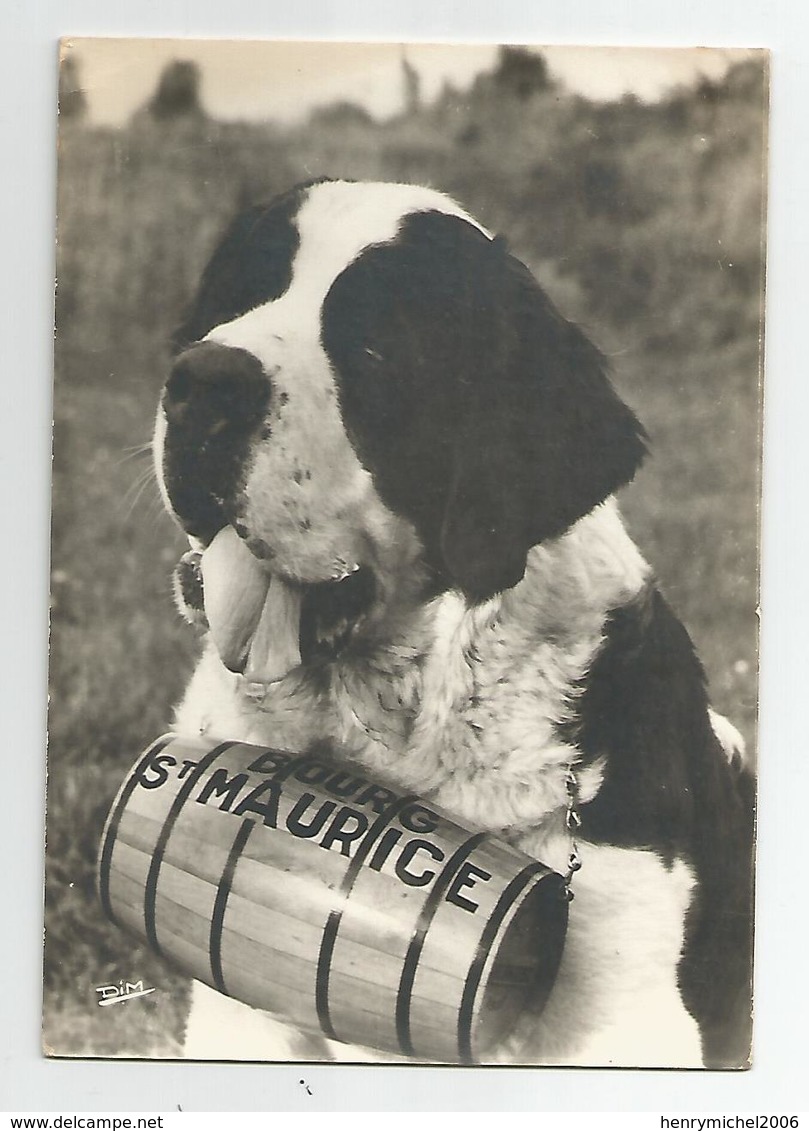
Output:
(395, 462)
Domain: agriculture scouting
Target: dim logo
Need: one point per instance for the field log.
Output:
(122, 991)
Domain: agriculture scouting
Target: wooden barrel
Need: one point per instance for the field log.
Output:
(298, 885)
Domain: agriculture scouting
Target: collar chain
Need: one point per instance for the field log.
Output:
(572, 825)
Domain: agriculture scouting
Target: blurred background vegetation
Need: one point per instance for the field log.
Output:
(644, 222)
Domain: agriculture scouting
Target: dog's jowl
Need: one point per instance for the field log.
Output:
(395, 461)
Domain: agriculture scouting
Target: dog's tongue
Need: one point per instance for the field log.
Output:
(254, 616)
(275, 648)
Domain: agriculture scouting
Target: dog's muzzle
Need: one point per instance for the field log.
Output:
(263, 622)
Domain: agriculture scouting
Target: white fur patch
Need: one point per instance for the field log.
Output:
(730, 739)
(616, 1001)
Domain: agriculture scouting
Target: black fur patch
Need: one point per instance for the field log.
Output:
(251, 265)
(484, 416)
(668, 787)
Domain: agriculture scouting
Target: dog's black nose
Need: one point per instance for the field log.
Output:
(212, 388)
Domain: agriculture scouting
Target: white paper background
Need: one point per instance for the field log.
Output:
(778, 1081)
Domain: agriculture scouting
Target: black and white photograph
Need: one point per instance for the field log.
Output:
(405, 553)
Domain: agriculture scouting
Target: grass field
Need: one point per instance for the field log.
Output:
(139, 210)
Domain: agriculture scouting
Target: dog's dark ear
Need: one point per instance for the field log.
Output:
(484, 416)
(542, 436)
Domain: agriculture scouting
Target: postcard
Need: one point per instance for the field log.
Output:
(405, 553)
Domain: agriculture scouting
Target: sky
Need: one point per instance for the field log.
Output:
(253, 79)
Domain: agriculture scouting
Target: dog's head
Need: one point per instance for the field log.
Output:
(381, 402)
